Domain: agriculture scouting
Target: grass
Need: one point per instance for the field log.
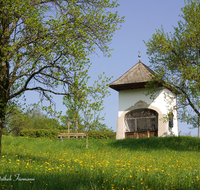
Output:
(155, 163)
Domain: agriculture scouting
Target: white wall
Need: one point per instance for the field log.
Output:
(164, 100)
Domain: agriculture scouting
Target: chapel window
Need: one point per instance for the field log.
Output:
(171, 118)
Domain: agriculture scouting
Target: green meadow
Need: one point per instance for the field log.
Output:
(154, 163)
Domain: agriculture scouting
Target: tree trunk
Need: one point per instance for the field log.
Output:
(198, 126)
(2, 122)
(1, 131)
(87, 139)
(3, 105)
(4, 65)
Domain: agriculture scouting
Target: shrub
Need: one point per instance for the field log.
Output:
(50, 133)
(36, 133)
(101, 135)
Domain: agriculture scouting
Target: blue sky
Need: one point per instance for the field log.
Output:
(142, 18)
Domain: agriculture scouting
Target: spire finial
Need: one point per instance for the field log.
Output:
(139, 56)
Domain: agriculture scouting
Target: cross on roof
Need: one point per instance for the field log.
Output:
(139, 56)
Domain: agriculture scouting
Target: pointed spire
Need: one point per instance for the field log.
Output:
(139, 56)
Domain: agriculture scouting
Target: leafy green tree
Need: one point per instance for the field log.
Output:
(31, 119)
(86, 104)
(74, 104)
(92, 101)
(15, 122)
(175, 57)
(43, 42)
(13, 109)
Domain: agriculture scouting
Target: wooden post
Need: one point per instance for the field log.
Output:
(148, 134)
(76, 127)
(87, 140)
(137, 135)
(87, 137)
(68, 127)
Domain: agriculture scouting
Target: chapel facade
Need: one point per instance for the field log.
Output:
(140, 116)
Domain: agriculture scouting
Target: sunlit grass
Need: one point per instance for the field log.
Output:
(155, 163)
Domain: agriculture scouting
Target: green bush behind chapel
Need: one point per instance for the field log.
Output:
(35, 124)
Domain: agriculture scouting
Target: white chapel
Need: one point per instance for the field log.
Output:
(139, 116)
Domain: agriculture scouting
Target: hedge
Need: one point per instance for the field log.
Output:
(49, 133)
(101, 135)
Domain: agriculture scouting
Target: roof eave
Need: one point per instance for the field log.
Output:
(129, 86)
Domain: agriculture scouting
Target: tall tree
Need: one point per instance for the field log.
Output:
(86, 104)
(43, 42)
(175, 57)
(92, 102)
(74, 101)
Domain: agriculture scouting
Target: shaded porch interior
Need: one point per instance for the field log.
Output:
(141, 123)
